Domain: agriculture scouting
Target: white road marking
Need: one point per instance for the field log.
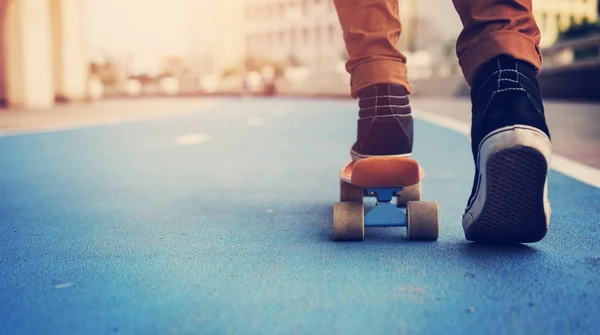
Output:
(255, 121)
(191, 139)
(65, 285)
(566, 166)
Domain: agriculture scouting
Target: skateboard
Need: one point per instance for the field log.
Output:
(386, 179)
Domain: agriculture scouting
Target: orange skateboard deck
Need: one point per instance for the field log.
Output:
(382, 171)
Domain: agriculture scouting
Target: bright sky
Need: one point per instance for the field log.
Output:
(148, 29)
(144, 28)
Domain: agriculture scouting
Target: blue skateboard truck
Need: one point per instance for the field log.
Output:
(395, 207)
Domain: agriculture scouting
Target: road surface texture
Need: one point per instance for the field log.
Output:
(219, 221)
(574, 127)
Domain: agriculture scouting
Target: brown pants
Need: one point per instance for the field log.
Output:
(490, 28)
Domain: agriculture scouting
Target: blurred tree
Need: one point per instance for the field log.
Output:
(229, 72)
(449, 49)
(579, 30)
(279, 68)
(253, 63)
(428, 34)
(107, 73)
(166, 74)
(293, 61)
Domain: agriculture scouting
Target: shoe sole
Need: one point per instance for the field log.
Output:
(513, 189)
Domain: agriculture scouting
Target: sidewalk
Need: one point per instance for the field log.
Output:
(109, 111)
(574, 126)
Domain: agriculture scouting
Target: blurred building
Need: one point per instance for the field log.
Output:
(305, 32)
(408, 17)
(42, 58)
(553, 16)
(296, 32)
(215, 32)
(3, 100)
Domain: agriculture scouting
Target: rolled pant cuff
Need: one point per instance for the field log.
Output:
(379, 72)
(510, 43)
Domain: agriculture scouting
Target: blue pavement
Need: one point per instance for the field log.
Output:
(119, 229)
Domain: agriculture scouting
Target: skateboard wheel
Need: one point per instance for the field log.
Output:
(350, 193)
(348, 221)
(410, 193)
(423, 220)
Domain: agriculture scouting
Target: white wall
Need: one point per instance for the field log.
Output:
(29, 54)
(70, 57)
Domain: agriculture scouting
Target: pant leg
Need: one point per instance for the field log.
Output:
(494, 27)
(371, 32)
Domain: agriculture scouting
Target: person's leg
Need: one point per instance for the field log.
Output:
(495, 27)
(499, 53)
(378, 76)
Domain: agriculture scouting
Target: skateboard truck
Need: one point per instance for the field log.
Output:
(383, 178)
(385, 213)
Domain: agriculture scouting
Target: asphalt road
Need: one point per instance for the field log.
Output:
(220, 222)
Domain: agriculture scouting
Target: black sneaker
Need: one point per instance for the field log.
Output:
(385, 124)
(512, 149)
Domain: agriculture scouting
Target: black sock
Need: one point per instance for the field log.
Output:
(383, 99)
